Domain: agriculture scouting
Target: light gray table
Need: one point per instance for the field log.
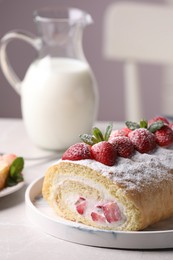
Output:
(19, 238)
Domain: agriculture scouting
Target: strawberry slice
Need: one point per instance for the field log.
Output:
(8, 158)
(81, 205)
(97, 217)
(111, 212)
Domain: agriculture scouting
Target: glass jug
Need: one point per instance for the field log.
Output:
(59, 97)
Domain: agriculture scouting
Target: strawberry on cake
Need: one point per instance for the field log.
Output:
(120, 180)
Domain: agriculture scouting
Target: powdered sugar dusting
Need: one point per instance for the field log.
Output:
(138, 171)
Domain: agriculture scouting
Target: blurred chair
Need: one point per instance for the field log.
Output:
(140, 32)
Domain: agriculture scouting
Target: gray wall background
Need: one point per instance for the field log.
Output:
(17, 14)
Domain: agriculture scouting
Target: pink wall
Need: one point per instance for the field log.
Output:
(17, 14)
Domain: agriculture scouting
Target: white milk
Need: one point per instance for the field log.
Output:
(59, 101)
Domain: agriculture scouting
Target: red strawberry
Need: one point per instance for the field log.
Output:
(116, 133)
(126, 130)
(158, 118)
(97, 217)
(122, 132)
(77, 151)
(164, 136)
(81, 205)
(143, 140)
(104, 152)
(123, 145)
(8, 158)
(111, 212)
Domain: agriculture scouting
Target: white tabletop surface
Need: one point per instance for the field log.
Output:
(21, 239)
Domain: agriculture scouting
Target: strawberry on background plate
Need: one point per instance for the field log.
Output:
(8, 158)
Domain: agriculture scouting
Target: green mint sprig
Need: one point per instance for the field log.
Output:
(144, 124)
(96, 135)
(15, 172)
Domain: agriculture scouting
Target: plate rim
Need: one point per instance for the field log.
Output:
(9, 190)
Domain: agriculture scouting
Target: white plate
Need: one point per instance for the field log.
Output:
(157, 236)
(8, 190)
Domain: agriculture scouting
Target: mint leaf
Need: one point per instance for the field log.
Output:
(98, 134)
(16, 168)
(88, 139)
(10, 182)
(156, 126)
(132, 125)
(108, 132)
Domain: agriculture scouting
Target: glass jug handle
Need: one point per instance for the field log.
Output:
(8, 71)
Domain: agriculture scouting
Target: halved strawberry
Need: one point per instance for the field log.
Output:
(76, 152)
(8, 158)
(111, 212)
(123, 145)
(97, 217)
(104, 152)
(81, 205)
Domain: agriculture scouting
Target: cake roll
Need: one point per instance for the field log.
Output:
(132, 194)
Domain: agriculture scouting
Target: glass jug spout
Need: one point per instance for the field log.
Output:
(61, 31)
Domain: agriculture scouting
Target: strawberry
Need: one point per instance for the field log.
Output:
(121, 132)
(76, 152)
(111, 212)
(164, 136)
(81, 205)
(143, 140)
(101, 150)
(158, 118)
(123, 145)
(104, 152)
(97, 217)
(8, 158)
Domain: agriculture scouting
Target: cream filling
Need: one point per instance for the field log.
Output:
(71, 199)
